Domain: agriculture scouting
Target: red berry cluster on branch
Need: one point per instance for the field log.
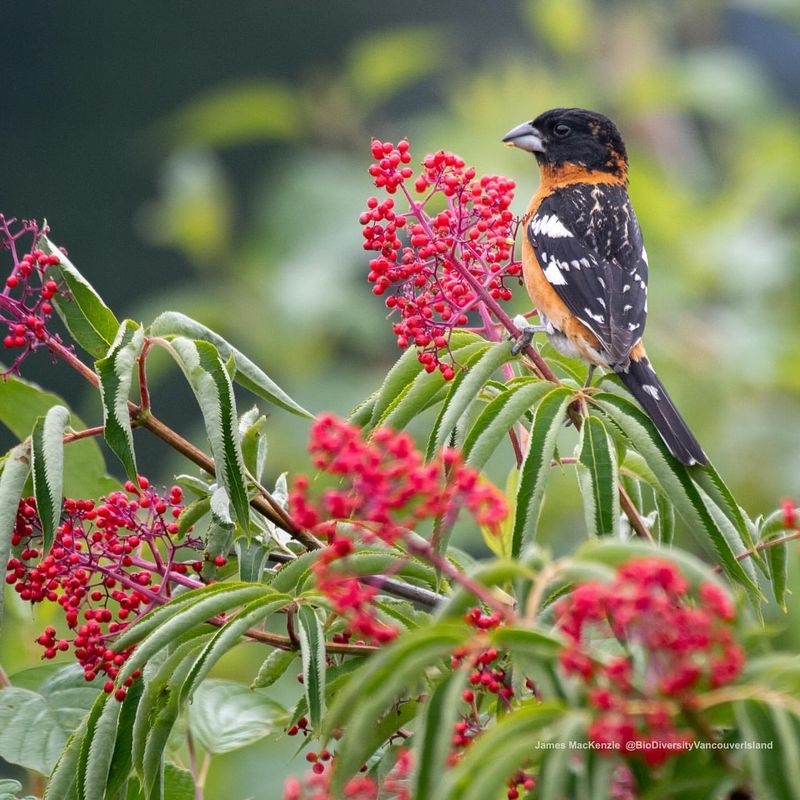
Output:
(110, 562)
(27, 290)
(670, 648)
(438, 266)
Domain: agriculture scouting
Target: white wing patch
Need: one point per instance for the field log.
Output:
(549, 225)
(652, 391)
(554, 274)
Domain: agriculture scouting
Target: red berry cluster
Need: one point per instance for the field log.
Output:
(387, 486)
(316, 786)
(110, 562)
(670, 648)
(448, 263)
(28, 291)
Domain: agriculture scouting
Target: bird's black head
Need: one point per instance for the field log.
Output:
(572, 136)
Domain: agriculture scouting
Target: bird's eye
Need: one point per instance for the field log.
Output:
(562, 131)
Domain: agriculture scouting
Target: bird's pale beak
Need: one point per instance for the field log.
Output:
(526, 137)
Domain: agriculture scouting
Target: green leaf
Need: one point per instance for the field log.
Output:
(205, 371)
(31, 733)
(535, 643)
(494, 422)
(547, 421)
(248, 375)
(557, 773)
(597, 476)
(122, 759)
(61, 785)
(252, 431)
(47, 465)
(161, 627)
(477, 369)
(499, 542)
(666, 519)
(252, 558)
(388, 675)
(406, 369)
(426, 389)
(433, 738)
(778, 562)
(88, 319)
(775, 771)
(116, 374)
(230, 634)
(21, 402)
(312, 649)
(97, 748)
(674, 478)
(225, 716)
(9, 790)
(16, 468)
(274, 666)
(499, 752)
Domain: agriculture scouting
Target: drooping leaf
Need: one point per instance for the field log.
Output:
(547, 420)
(47, 465)
(312, 650)
(205, 371)
(116, 374)
(248, 375)
(16, 468)
(252, 431)
(674, 478)
(88, 319)
(477, 369)
(499, 541)
(597, 477)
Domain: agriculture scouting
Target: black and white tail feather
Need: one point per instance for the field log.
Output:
(643, 383)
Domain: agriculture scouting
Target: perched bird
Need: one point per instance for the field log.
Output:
(584, 263)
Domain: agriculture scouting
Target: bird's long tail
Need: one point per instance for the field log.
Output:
(643, 383)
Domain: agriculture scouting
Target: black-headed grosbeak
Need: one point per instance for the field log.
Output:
(584, 262)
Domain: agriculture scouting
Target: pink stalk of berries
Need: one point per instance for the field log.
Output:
(682, 647)
(110, 563)
(438, 267)
(27, 290)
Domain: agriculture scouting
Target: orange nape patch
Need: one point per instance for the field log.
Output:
(554, 177)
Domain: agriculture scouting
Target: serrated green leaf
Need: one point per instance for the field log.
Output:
(547, 421)
(476, 370)
(61, 784)
(494, 422)
(203, 367)
(252, 431)
(122, 759)
(116, 374)
(230, 634)
(220, 508)
(88, 319)
(192, 514)
(16, 468)
(500, 752)
(97, 749)
(312, 650)
(406, 369)
(500, 541)
(426, 389)
(252, 556)
(674, 478)
(47, 466)
(248, 375)
(433, 739)
(778, 562)
(274, 666)
(597, 477)
(362, 413)
(380, 682)
(157, 630)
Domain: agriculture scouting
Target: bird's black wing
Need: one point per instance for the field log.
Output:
(589, 245)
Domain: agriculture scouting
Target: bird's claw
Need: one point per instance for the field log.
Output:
(526, 334)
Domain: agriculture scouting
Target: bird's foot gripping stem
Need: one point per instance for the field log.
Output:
(526, 334)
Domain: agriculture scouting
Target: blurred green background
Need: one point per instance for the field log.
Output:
(212, 160)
